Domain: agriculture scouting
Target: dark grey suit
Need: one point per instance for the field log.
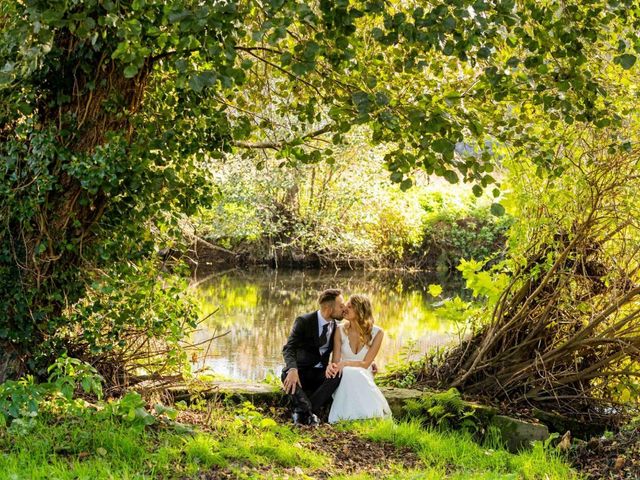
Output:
(302, 351)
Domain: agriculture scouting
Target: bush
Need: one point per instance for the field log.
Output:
(131, 322)
(20, 400)
(450, 237)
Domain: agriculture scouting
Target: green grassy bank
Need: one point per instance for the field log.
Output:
(205, 441)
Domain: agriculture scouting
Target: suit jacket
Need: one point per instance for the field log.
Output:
(302, 349)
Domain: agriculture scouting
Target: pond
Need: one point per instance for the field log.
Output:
(257, 309)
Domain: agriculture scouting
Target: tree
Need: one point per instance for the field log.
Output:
(560, 326)
(109, 109)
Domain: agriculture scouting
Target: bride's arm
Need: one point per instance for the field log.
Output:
(369, 357)
(337, 345)
(332, 369)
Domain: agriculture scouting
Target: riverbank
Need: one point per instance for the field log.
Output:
(443, 243)
(207, 440)
(483, 421)
(589, 448)
(240, 431)
(320, 218)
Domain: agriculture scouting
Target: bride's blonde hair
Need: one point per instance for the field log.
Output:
(364, 316)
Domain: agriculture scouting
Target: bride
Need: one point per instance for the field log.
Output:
(355, 346)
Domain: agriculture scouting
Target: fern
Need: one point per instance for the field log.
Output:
(444, 410)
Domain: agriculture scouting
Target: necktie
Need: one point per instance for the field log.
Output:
(323, 335)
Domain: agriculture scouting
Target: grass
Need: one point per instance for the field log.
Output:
(96, 445)
(242, 443)
(455, 455)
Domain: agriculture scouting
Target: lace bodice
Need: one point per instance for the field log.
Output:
(345, 349)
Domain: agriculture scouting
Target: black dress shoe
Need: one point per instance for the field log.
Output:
(314, 421)
(300, 419)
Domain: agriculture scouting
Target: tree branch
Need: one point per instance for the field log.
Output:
(281, 144)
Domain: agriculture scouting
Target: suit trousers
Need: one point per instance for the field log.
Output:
(316, 390)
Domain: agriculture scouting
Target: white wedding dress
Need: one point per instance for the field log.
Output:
(357, 396)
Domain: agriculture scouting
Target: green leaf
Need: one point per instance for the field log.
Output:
(371, 81)
(170, 412)
(310, 51)
(513, 62)
(442, 145)
(268, 423)
(406, 184)
(448, 48)
(396, 177)
(361, 101)
(434, 290)
(285, 59)
(449, 23)
(497, 209)
(382, 99)
(182, 428)
(450, 176)
(484, 52)
(86, 384)
(477, 190)
(626, 61)
(201, 80)
(130, 71)
(625, 395)
(300, 68)
(67, 391)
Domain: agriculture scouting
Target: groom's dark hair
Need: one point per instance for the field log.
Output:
(329, 295)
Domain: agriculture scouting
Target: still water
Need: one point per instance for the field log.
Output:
(257, 309)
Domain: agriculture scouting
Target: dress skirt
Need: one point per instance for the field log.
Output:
(358, 397)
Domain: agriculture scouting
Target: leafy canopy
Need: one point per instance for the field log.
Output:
(110, 110)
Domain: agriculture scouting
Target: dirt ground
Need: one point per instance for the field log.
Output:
(615, 457)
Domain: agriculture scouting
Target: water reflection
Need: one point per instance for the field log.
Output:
(259, 307)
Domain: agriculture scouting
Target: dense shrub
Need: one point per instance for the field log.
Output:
(447, 240)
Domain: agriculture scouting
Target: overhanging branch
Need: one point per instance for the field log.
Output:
(277, 145)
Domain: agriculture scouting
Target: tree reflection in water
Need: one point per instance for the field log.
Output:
(258, 308)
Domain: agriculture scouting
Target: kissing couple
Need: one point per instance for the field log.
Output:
(311, 380)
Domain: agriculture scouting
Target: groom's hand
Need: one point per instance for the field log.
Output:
(332, 369)
(291, 381)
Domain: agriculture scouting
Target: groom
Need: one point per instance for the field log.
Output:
(306, 355)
